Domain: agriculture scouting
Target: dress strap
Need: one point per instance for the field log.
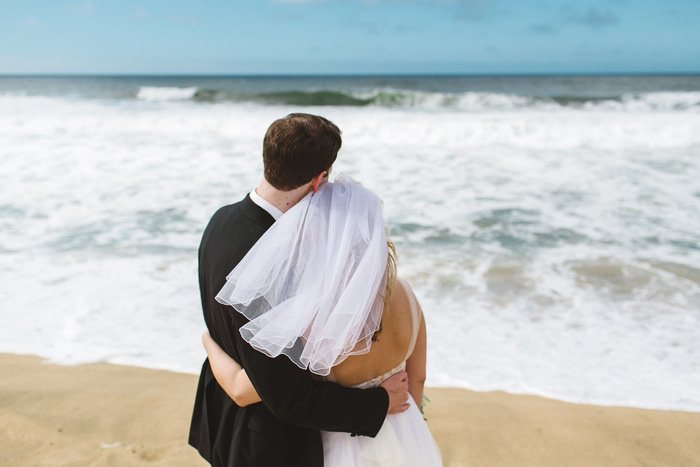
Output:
(415, 314)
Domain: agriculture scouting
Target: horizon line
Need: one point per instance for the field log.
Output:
(338, 75)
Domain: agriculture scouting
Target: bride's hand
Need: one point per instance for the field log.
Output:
(206, 338)
(229, 374)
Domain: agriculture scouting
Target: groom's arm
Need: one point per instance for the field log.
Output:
(294, 397)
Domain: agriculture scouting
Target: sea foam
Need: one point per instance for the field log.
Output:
(554, 253)
(153, 93)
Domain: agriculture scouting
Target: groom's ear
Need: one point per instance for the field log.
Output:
(316, 181)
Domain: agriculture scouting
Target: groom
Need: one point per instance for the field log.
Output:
(283, 430)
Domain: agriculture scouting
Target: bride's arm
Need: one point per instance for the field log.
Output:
(415, 365)
(229, 374)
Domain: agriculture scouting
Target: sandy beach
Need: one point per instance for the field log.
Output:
(116, 415)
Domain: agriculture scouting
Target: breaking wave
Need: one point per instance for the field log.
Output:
(156, 93)
(467, 101)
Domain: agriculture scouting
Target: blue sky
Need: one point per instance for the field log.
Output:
(348, 36)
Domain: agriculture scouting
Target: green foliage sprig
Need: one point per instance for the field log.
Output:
(423, 403)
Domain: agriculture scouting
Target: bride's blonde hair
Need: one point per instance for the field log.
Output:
(390, 281)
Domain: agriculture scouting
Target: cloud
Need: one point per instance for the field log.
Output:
(475, 5)
(586, 50)
(32, 22)
(410, 29)
(464, 10)
(143, 15)
(472, 10)
(286, 14)
(595, 18)
(543, 28)
(140, 14)
(186, 19)
(85, 7)
(297, 2)
(369, 27)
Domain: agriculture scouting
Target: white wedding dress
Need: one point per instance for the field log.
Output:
(404, 439)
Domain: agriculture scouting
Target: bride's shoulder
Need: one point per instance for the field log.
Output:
(401, 282)
(402, 287)
(400, 300)
(403, 298)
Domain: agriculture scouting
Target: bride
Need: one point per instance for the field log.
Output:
(330, 300)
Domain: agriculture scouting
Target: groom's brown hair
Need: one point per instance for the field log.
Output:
(298, 147)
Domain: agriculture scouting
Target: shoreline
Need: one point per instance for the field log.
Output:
(104, 414)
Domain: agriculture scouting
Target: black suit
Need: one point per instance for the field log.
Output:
(284, 429)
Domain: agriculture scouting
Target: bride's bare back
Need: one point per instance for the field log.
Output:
(391, 345)
(388, 352)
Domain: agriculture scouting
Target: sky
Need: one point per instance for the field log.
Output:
(348, 36)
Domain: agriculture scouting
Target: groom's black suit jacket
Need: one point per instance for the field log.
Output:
(283, 430)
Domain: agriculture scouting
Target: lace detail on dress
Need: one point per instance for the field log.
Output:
(375, 382)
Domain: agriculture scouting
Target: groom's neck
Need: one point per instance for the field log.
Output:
(282, 200)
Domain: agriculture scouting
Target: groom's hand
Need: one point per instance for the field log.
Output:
(397, 388)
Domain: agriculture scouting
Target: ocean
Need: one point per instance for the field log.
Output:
(550, 225)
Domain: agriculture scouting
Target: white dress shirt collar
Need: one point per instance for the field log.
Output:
(257, 199)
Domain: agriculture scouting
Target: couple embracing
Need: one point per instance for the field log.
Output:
(316, 348)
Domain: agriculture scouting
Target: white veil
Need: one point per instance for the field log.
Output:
(312, 285)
